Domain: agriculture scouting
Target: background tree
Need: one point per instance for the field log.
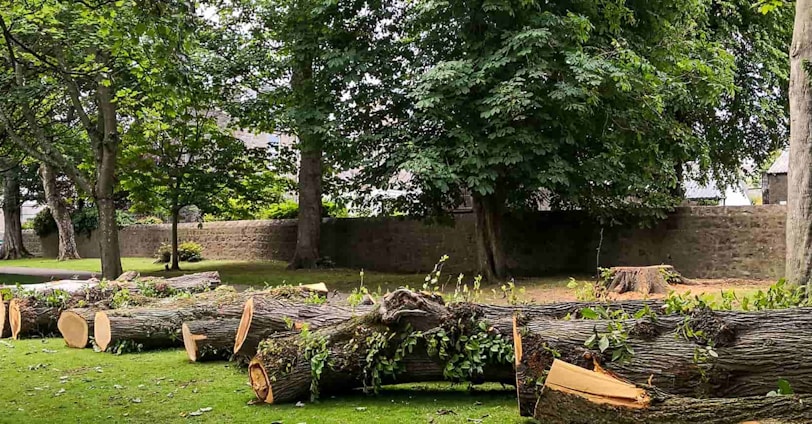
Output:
(53, 192)
(91, 56)
(300, 65)
(11, 170)
(799, 193)
(597, 106)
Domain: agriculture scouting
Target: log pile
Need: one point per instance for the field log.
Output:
(36, 311)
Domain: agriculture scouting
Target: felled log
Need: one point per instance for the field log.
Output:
(160, 325)
(76, 326)
(5, 328)
(38, 313)
(264, 315)
(211, 339)
(644, 279)
(573, 395)
(705, 354)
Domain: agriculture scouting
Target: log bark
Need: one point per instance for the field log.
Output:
(76, 326)
(602, 399)
(161, 324)
(264, 316)
(754, 350)
(28, 317)
(34, 316)
(280, 372)
(209, 340)
(59, 211)
(799, 185)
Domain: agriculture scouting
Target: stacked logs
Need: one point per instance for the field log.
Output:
(36, 309)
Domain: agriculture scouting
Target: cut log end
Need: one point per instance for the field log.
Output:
(14, 318)
(74, 329)
(260, 382)
(245, 325)
(190, 342)
(101, 330)
(597, 387)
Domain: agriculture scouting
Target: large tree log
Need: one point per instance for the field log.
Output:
(753, 349)
(211, 339)
(280, 372)
(573, 395)
(161, 324)
(264, 315)
(27, 316)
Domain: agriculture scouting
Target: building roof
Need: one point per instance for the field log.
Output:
(695, 190)
(781, 165)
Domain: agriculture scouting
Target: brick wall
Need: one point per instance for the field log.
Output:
(712, 242)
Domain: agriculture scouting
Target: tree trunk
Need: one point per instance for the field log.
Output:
(175, 259)
(12, 201)
(642, 279)
(59, 210)
(799, 192)
(264, 316)
(488, 212)
(27, 316)
(209, 340)
(573, 395)
(5, 328)
(754, 350)
(310, 174)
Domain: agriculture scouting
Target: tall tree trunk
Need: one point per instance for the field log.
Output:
(799, 193)
(310, 175)
(59, 210)
(12, 201)
(106, 151)
(488, 212)
(175, 218)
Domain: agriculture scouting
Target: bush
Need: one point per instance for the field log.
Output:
(149, 220)
(290, 210)
(188, 251)
(43, 223)
(86, 220)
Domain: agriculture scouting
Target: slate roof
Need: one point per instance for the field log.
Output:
(781, 165)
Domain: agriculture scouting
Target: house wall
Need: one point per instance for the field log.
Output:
(775, 191)
(701, 242)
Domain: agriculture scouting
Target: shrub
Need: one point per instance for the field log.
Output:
(290, 210)
(43, 223)
(190, 252)
(187, 252)
(149, 220)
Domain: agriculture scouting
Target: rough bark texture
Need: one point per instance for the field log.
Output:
(310, 173)
(264, 316)
(42, 318)
(280, 372)
(644, 279)
(754, 350)
(28, 317)
(12, 201)
(557, 407)
(488, 212)
(60, 213)
(799, 193)
(209, 340)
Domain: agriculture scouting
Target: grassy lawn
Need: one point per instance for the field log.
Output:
(43, 381)
(258, 273)
(22, 279)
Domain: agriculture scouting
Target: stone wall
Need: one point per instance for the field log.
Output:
(711, 242)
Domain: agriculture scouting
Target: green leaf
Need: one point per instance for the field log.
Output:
(589, 313)
(603, 343)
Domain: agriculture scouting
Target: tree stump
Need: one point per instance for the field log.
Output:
(654, 279)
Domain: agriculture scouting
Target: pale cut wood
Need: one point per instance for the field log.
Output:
(596, 386)
(76, 325)
(209, 339)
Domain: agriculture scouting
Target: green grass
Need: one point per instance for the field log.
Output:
(159, 387)
(22, 279)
